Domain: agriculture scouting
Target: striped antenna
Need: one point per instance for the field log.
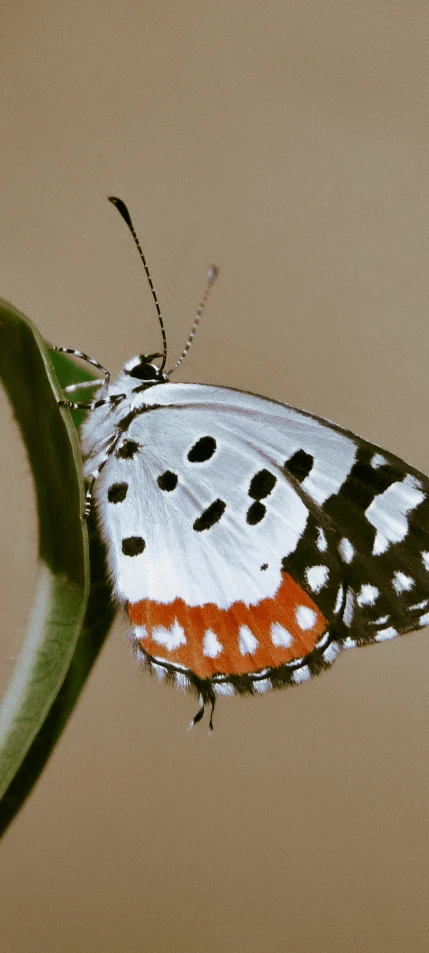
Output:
(122, 209)
(211, 278)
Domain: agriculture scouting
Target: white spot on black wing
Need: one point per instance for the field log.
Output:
(317, 577)
(378, 461)
(330, 654)
(322, 543)
(385, 634)
(349, 608)
(401, 582)
(346, 550)
(301, 674)
(367, 595)
(339, 600)
(419, 605)
(262, 685)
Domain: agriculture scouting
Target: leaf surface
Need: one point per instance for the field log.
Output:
(72, 610)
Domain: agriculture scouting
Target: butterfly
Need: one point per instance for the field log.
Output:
(250, 542)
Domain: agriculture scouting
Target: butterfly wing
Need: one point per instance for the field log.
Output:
(250, 541)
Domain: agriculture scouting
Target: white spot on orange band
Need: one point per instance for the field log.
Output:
(280, 635)
(246, 641)
(171, 637)
(211, 645)
(305, 617)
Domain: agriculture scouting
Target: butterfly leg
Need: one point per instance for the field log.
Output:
(93, 383)
(81, 384)
(101, 402)
(199, 715)
(95, 473)
(210, 699)
(89, 360)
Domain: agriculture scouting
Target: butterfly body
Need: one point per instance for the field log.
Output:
(249, 542)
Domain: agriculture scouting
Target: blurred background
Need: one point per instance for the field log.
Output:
(286, 141)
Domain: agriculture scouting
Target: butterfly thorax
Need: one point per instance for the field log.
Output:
(137, 376)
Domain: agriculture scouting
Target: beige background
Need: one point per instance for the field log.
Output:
(287, 142)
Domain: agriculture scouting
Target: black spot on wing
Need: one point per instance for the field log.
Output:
(210, 516)
(262, 484)
(299, 465)
(133, 545)
(202, 450)
(256, 513)
(117, 492)
(127, 450)
(167, 481)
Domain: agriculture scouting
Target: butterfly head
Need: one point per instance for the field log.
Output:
(142, 368)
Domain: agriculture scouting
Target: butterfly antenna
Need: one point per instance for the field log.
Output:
(122, 209)
(211, 278)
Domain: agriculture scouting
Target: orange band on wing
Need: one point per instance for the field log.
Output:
(208, 640)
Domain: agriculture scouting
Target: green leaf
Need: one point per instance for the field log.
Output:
(69, 621)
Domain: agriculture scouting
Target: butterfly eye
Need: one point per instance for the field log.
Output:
(145, 372)
(142, 369)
